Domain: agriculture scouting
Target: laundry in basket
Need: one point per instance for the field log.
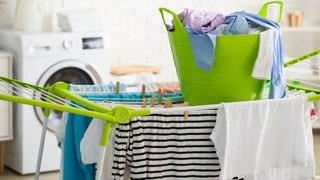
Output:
(230, 78)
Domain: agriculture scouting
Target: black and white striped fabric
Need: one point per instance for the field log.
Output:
(166, 146)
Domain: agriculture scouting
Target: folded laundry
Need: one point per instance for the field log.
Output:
(80, 21)
(79, 15)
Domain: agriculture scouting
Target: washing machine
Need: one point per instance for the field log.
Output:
(43, 59)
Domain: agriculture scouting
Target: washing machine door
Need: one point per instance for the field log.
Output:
(71, 72)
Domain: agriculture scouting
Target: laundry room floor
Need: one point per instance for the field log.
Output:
(11, 175)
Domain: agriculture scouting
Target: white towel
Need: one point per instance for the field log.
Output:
(264, 139)
(263, 65)
(90, 144)
(91, 150)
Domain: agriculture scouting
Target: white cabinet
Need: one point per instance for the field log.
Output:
(5, 107)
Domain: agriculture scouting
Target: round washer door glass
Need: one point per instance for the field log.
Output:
(71, 72)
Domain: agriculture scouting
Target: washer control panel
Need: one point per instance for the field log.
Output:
(52, 44)
(92, 42)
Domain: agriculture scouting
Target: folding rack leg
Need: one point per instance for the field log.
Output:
(40, 153)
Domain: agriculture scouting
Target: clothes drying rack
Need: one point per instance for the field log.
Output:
(58, 97)
(296, 84)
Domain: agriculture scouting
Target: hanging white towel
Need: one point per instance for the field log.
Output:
(61, 129)
(263, 139)
(297, 173)
(90, 144)
(91, 150)
(263, 65)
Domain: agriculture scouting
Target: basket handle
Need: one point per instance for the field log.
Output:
(264, 10)
(176, 19)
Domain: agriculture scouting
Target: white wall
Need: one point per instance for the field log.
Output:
(138, 35)
(299, 42)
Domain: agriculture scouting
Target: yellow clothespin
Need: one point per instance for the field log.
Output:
(168, 103)
(118, 87)
(153, 101)
(159, 97)
(143, 91)
(186, 113)
(144, 103)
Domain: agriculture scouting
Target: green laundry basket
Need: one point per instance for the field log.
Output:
(230, 78)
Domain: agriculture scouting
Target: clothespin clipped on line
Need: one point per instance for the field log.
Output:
(153, 101)
(186, 113)
(144, 103)
(117, 87)
(160, 96)
(143, 91)
(168, 103)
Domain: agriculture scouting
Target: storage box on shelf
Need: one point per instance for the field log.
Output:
(5, 108)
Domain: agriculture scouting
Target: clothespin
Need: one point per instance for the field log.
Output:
(168, 103)
(143, 91)
(153, 101)
(118, 87)
(186, 113)
(160, 96)
(144, 103)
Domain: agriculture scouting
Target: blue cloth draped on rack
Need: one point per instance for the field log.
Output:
(278, 80)
(76, 126)
(132, 97)
(73, 167)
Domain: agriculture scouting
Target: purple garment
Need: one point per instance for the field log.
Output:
(201, 21)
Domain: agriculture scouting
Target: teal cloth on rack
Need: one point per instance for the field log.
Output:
(98, 93)
(132, 97)
(73, 167)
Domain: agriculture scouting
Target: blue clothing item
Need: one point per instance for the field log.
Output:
(73, 166)
(203, 47)
(122, 97)
(278, 80)
(236, 25)
(134, 97)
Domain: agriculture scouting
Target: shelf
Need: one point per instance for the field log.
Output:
(301, 29)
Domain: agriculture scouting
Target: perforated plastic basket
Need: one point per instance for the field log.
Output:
(230, 78)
